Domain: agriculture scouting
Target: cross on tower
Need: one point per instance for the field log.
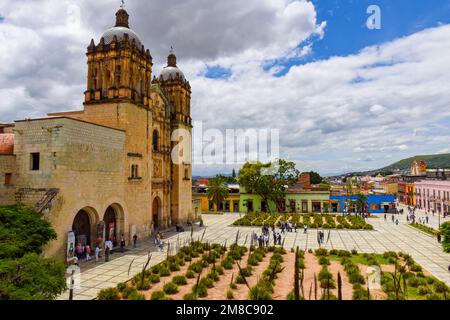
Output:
(123, 4)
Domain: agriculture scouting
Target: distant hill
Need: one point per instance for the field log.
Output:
(433, 161)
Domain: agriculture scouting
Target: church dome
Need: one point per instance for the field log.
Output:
(168, 71)
(119, 32)
(171, 70)
(120, 29)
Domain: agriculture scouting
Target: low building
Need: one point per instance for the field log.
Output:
(433, 195)
(300, 198)
(375, 203)
(230, 204)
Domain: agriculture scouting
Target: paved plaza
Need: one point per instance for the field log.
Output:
(386, 237)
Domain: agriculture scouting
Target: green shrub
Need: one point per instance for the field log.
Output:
(109, 294)
(415, 268)
(190, 274)
(202, 290)
(321, 252)
(260, 292)
(170, 288)
(197, 267)
(219, 269)
(354, 252)
(333, 252)
(164, 271)
(434, 296)
(179, 280)
(344, 253)
(424, 290)
(174, 266)
(207, 282)
(154, 278)
(189, 296)
(214, 275)
(143, 285)
(239, 279)
(230, 295)
(228, 263)
(158, 295)
(128, 291)
(121, 286)
(136, 296)
(440, 287)
(323, 261)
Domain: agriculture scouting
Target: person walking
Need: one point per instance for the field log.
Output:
(385, 217)
(439, 239)
(305, 229)
(87, 250)
(107, 253)
(97, 253)
(122, 243)
(135, 240)
(393, 218)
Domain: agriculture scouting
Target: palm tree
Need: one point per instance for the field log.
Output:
(361, 202)
(217, 191)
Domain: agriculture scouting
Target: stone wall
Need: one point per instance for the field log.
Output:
(7, 165)
(83, 161)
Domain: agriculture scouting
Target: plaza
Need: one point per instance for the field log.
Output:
(386, 237)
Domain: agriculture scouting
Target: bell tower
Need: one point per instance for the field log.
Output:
(119, 67)
(178, 92)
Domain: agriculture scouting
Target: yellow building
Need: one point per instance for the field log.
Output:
(230, 204)
(390, 188)
(410, 194)
(107, 170)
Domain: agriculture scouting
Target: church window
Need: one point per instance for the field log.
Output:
(8, 179)
(186, 174)
(134, 171)
(155, 140)
(35, 161)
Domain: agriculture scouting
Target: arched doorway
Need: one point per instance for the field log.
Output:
(156, 208)
(111, 224)
(81, 226)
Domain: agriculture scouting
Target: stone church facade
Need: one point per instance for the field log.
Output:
(120, 165)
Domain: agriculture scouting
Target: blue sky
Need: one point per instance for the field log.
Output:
(346, 32)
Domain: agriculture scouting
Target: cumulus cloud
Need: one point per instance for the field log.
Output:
(333, 115)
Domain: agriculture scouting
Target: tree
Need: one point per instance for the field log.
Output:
(24, 274)
(445, 233)
(217, 191)
(361, 202)
(315, 178)
(31, 277)
(270, 180)
(233, 174)
(22, 231)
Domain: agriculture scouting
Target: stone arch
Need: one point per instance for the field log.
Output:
(84, 225)
(114, 219)
(157, 212)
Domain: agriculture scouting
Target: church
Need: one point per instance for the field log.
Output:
(122, 165)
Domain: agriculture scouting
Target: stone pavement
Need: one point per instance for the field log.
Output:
(386, 237)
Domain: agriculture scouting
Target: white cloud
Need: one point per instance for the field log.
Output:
(326, 118)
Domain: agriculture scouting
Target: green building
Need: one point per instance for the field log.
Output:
(300, 198)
